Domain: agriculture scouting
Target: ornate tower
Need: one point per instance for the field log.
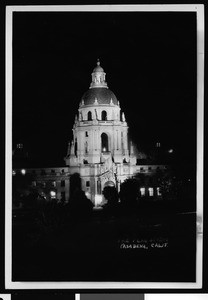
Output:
(100, 147)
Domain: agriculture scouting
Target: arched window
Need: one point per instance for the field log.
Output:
(104, 142)
(104, 115)
(89, 116)
(75, 147)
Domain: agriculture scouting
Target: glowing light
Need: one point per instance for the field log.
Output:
(13, 172)
(170, 151)
(98, 199)
(104, 149)
(87, 194)
(142, 191)
(151, 191)
(23, 171)
(158, 191)
(19, 146)
(53, 194)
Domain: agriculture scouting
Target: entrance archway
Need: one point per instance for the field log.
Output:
(109, 183)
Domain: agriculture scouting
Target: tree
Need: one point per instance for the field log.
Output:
(129, 192)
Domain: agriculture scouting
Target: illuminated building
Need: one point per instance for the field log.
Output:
(101, 151)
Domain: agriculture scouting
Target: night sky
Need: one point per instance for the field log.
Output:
(150, 64)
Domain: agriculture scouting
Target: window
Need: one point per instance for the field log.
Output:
(86, 147)
(89, 116)
(43, 172)
(151, 192)
(53, 194)
(149, 168)
(104, 142)
(159, 191)
(62, 182)
(142, 191)
(53, 171)
(75, 147)
(62, 171)
(86, 133)
(87, 183)
(104, 115)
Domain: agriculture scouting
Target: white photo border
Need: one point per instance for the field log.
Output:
(5, 296)
(199, 9)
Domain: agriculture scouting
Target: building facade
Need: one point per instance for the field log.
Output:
(101, 151)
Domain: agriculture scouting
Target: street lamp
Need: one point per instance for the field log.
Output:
(23, 171)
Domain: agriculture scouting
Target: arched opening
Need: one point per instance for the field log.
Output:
(104, 142)
(109, 183)
(89, 116)
(104, 115)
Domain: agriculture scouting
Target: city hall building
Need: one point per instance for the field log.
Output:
(100, 151)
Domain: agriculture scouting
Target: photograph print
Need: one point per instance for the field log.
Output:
(104, 145)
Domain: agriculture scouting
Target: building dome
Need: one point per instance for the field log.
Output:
(99, 92)
(102, 95)
(98, 68)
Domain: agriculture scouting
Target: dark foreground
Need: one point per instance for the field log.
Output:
(154, 245)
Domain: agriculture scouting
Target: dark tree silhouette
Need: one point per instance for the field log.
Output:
(111, 195)
(129, 195)
(75, 183)
(80, 207)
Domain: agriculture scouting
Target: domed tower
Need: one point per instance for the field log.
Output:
(100, 143)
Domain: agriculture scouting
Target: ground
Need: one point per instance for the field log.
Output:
(153, 245)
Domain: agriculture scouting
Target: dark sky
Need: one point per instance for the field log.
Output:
(150, 62)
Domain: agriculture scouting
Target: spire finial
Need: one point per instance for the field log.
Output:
(98, 77)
